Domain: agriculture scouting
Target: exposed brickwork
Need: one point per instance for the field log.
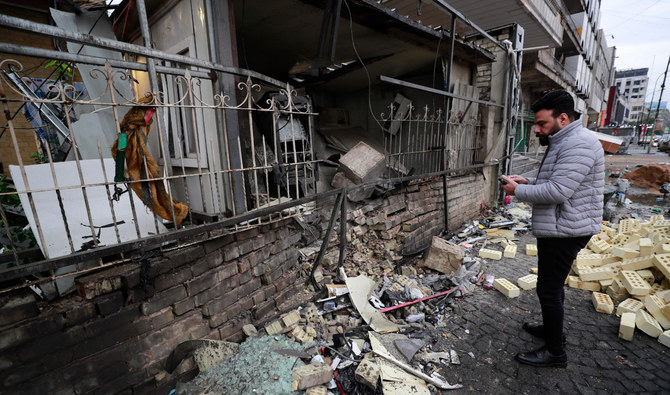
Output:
(413, 215)
(116, 335)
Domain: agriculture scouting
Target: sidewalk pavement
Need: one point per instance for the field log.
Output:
(488, 325)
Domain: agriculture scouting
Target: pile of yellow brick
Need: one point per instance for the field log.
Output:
(629, 265)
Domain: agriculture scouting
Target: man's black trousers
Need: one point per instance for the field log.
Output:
(555, 256)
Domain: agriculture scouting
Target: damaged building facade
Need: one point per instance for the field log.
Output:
(170, 165)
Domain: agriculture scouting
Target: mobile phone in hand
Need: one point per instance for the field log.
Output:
(502, 180)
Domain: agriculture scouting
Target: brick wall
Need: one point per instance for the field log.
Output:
(116, 334)
(414, 214)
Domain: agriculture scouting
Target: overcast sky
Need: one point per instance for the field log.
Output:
(641, 30)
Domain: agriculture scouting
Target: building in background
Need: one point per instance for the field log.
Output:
(663, 118)
(603, 76)
(632, 84)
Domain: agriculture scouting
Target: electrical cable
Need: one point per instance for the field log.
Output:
(367, 73)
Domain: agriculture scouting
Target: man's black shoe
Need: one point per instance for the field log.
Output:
(542, 358)
(537, 330)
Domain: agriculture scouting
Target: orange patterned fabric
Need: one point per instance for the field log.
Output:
(136, 124)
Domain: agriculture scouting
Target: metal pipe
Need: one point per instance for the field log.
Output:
(396, 81)
(448, 119)
(326, 239)
(92, 60)
(87, 39)
(336, 25)
(343, 229)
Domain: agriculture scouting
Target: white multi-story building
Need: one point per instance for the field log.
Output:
(632, 84)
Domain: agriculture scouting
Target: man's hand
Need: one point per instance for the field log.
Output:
(511, 184)
(518, 179)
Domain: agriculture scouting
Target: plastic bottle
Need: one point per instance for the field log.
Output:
(488, 283)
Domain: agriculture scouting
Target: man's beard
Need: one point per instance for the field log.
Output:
(544, 140)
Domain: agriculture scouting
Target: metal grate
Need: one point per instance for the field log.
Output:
(185, 163)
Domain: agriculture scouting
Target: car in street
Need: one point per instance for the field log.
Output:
(664, 143)
(655, 140)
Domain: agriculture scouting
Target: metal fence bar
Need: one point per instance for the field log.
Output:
(91, 60)
(55, 32)
(109, 196)
(19, 159)
(60, 200)
(396, 81)
(79, 171)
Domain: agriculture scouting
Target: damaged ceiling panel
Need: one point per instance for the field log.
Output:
(542, 25)
(383, 39)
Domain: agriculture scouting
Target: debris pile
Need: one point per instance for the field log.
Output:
(629, 266)
(378, 324)
(649, 176)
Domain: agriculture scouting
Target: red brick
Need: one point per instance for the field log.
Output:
(245, 277)
(247, 303)
(270, 291)
(258, 270)
(269, 237)
(226, 271)
(264, 309)
(231, 282)
(258, 296)
(153, 322)
(285, 294)
(259, 241)
(231, 252)
(246, 234)
(220, 304)
(80, 314)
(249, 287)
(230, 328)
(275, 261)
(110, 303)
(215, 244)
(270, 278)
(218, 319)
(243, 265)
(201, 283)
(183, 306)
(286, 280)
(171, 279)
(163, 299)
(234, 310)
(255, 258)
(21, 307)
(245, 246)
(214, 259)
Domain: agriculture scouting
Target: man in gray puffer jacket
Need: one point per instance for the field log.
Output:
(567, 199)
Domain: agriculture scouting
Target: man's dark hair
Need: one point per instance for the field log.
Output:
(559, 101)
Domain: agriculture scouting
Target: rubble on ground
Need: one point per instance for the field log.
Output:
(376, 326)
(628, 265)
(649, 176)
